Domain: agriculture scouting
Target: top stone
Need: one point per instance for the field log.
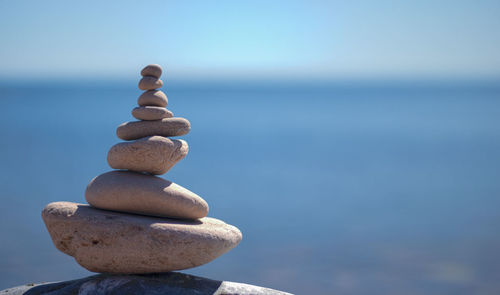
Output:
(152, 70)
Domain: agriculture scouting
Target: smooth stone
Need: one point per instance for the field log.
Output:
(164, 283)
(132, 192)
(150, 83)
(155, 154)
(152, 70)
(153, 98)
(167, 127)
(113, 242)
(150, 113)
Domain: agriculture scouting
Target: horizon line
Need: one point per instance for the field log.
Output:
(181, 79)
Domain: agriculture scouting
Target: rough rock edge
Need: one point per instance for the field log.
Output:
(165, 283)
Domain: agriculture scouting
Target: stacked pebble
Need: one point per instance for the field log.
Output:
(138, 222)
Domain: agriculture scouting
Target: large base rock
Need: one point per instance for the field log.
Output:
(167, 283)
(111, 242)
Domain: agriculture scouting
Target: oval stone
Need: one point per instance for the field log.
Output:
(150, 113)
(150, 83)
(133, 192)
(152, 70)
(155, 154)
(167, 127)
(153, 98)
(113, 242)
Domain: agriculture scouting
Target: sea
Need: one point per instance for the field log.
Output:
(339, 187)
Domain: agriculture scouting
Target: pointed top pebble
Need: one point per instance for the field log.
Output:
(152, 70)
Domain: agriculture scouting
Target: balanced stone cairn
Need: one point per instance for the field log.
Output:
(138, 222)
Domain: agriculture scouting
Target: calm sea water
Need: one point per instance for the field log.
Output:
(341, 188)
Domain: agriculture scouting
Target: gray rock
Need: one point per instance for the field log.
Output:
(154, 284)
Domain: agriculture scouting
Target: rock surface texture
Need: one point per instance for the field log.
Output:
(139, 223)
(168, 283)
(113, 242)
(155, 154)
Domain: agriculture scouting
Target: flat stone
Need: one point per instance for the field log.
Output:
(155, 154)
(150, 113)
(167, 127)
(152, 70)
(133, 192)
(113, 242)
(164, 283)
(150, 83)
(153, 98)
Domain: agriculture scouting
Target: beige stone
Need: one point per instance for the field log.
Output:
(150, 113)
(155, 154)
(152, 70)
(112, 242)
(134, 192)
(153, 98)
(165, 127)
(150, 83)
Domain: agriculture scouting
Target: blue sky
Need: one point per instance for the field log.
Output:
(251, 39)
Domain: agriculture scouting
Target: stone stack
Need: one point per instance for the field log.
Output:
(138, 222)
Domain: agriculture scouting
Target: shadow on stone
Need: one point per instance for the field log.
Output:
(84, 210)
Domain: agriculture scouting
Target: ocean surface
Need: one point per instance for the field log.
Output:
(338, 188)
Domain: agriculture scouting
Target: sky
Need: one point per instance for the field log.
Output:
(251, 39)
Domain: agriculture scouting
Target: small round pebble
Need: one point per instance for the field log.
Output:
(150, 113)
(153, 98)
(152, 70)
(150, 83)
